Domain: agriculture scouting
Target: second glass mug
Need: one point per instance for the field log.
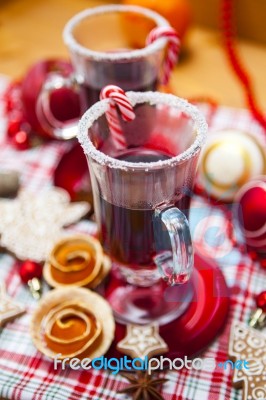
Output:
(142, 198)
(106, 45)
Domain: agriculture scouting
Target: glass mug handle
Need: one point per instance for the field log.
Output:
(58, 129)
(175, 267)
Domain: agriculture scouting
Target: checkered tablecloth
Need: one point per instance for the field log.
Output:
(26, 374)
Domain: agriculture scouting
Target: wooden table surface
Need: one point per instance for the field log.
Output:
(31, 30)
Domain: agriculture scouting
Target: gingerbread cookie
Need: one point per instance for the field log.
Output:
(31, 224)
(142, 341)
(248, 344)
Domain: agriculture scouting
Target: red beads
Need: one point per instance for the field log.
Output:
(29, 270)
(18, 130)
(21, 140)
(229, 34)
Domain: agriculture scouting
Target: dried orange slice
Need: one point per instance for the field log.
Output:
(81, 327)
(76, 261)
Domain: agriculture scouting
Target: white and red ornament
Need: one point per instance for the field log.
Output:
(229, 160)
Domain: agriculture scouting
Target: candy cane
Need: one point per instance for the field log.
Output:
(119, 99)
(172, 52)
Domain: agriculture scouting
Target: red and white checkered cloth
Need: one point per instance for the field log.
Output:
(26, 374)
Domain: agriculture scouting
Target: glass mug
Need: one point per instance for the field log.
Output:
(106, 45)
(142, 199)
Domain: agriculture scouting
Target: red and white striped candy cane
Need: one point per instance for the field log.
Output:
(172, 52)
(119, 99)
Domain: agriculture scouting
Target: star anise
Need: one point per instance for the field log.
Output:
(143, 386)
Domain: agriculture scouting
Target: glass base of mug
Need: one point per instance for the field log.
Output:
(145, 277)
(144, 305)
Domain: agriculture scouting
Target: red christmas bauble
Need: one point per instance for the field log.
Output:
(261, 301)
(64, 102)
(29, 270)
(251, 213)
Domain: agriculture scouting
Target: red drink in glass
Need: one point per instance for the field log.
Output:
(127, 232)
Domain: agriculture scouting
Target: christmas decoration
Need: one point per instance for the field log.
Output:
(70, 329)
(75, 322)
(118, 99)
(31, 224)
(221, 178)
(9, 310)
(77, 261)
(229, 38)
(173, 50)
(18, 129)
(20, 99)
(141, 341)
(143, 386)
(31, 273)
(258, 317)
(76, 181)
(261, 301)
(64, 103)
(250, 345)
(250, 213)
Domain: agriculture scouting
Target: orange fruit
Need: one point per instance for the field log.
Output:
(177, 12)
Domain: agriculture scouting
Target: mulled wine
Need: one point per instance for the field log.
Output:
(127, 232)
